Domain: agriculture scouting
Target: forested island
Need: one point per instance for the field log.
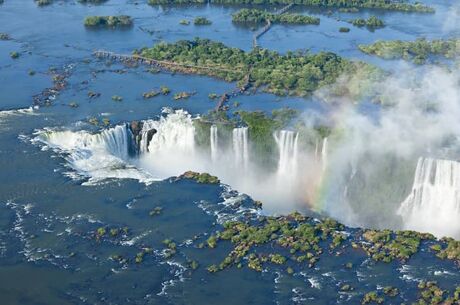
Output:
(201, 21)
(108, 21)
(260, 16)
(417, 51)
(370, 4)
(295, 73)
(371, 23)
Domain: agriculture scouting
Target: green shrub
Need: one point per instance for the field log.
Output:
(201, 21)
(108, 21)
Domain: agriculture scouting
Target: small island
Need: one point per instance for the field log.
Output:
(260, 16)
(418, 51)
(202, 21)
(296, 73)
(108, 21)
(371, 23)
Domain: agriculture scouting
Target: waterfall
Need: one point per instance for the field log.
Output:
(316, 149)
(434, 202)
(214, 143)
(147, 127)
(324, 154)
(117, 141)
(114, 141)
(240, 146)
(287, 142)
(98, 156)
(174, 133)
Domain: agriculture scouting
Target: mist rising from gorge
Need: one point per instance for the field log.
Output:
(372, 163)
(381, 168)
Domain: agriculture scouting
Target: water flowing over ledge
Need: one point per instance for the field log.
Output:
(172, 144)
(434, 199)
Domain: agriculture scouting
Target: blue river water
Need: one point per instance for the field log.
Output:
(48, 252)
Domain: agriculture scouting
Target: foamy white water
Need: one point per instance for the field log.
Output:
(434, 202)
(98, 156)
(5, 113)
(241, 146)
(214, 141)
(287, 142)
(172, 150)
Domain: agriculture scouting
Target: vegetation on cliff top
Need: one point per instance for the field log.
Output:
(417, 51)
(296, 73)
(258, 16)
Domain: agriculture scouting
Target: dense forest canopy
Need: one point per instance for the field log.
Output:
(417, 51)
(298, 73)
(108, 21)
(372, 22)
(259, 16)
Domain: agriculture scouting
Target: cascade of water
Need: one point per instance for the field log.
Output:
(434, 202)
(214, 143)
(99, 156)
(240, 146)
(324, 154)
(287, 142)
(147, 127)
(174, 133)
(316, 149)
(116, 141)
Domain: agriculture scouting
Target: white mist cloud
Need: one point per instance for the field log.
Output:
(372, 162)
(452, 19)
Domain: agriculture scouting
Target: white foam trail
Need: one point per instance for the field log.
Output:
(6, 113)
(434, 202)
(241, 146)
